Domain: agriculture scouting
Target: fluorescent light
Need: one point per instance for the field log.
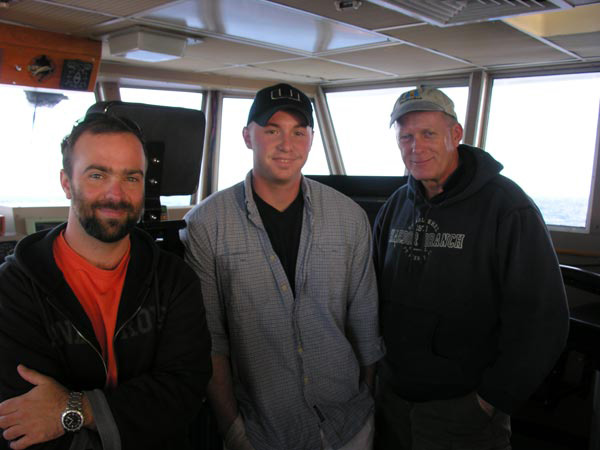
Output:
(145, 45)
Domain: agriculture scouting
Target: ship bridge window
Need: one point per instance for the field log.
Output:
(180, 99)
(361, 120)
(34, 122)
(543, 130)
(235, 160)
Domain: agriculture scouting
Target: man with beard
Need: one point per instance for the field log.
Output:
(103, 338)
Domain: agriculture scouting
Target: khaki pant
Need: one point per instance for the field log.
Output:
(363, 440)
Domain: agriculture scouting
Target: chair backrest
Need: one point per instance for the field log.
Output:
(179, 130)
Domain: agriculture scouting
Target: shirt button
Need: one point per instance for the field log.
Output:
(300, 350)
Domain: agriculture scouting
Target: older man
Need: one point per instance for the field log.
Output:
(473, 307)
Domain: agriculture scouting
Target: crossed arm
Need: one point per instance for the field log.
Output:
(169, 380)
(34, 417)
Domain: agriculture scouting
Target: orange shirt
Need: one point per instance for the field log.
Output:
(99, 292)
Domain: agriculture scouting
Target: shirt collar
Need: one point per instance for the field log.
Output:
(251, 204)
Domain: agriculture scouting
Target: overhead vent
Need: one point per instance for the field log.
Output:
(445, 13)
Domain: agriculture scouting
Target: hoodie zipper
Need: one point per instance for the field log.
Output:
(92, 345)
(135, 313)
(124, 324)
(113, 340)
(95, 350)
(80, 334)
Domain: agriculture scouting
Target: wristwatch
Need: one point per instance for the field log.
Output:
(72, 418)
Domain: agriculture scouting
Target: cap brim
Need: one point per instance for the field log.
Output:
(263, 118)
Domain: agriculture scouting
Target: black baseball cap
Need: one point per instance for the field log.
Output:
(274, 98)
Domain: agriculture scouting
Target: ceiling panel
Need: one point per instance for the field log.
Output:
(368, 15)
(51, 18)
(401, 60)
(118, 8)
(264, 74)
(321, 70)
(223, 52)
(111, 27)
(306, 41)
(213, 54)
(485, 44)
(257, 20)
(586, 45)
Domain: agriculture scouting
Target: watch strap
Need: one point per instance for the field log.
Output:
(75, 401)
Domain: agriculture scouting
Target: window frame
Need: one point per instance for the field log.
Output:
(565, 235)
(446, 81)
(480, 84)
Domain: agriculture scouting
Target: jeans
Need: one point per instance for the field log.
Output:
(452, 424)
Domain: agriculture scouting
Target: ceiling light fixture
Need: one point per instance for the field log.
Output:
(148, 45)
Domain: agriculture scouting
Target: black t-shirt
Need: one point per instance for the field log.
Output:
(283, 228)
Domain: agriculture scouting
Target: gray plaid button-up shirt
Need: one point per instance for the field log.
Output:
(295, 361)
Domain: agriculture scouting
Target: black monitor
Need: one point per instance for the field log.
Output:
(174, 140)
(180, 133)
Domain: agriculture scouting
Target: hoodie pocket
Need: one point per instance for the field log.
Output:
(410, 333)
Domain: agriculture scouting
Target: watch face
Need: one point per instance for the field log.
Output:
(72, 420)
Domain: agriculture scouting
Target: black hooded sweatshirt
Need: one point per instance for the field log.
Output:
(471, 294)
(162, 344)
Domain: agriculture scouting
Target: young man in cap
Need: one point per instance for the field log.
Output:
(290, 294)
(473, 306)
(103, 337)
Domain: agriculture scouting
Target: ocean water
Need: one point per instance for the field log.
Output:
(569, 212)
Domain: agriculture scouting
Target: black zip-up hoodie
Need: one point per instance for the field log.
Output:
(162, 344)
(471, 295)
